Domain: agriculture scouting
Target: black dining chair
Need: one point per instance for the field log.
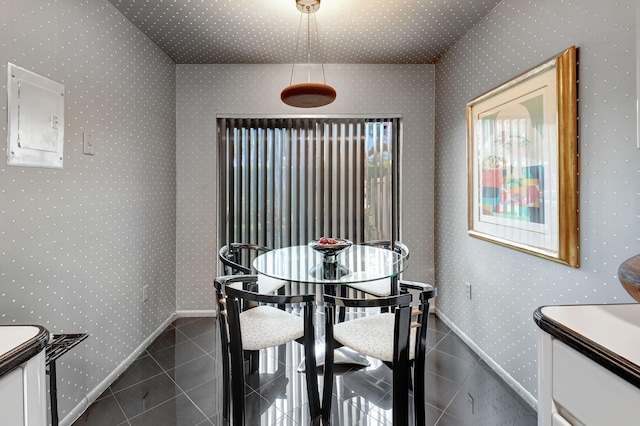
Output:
(398, 338)
(250, 322)
(237, 258)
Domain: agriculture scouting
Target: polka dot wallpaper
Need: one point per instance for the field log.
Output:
(206, 90)
(264, 32)
(507, 286)
(77, 245)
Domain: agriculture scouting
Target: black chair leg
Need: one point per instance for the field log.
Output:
(418, 395)
(342, 311)
(254, 362)
(327, 392)
(53, 391)
(237, 359)
(311, 372)
(401, 395)
(226, 401)
(226, 369)
(420, 417)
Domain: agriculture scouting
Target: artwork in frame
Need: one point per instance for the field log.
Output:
(523, 162)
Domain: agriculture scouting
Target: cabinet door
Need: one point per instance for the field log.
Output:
(11, 394)
(589, 392)
(558, 420)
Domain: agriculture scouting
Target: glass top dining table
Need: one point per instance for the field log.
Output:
(358, 263)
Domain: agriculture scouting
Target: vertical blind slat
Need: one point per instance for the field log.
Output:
(287, 181)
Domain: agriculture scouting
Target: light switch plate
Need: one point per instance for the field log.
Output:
(88, 146)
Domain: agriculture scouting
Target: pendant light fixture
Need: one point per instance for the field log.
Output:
(308, 95)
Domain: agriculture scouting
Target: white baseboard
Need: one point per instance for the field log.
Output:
(517, 387)
(197, 313)
(77, 411)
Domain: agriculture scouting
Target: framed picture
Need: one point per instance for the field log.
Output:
(523, 162)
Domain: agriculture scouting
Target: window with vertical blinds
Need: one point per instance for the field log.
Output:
(286, 181)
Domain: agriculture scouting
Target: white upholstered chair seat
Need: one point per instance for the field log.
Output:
(378, 288)
(267, 326)
(372, 336)
(266, 284)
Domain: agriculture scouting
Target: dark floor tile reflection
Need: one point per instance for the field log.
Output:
(177, 355)
(167, 339)
(142, 368)
(196, 327)
(455, 369)
(195, 372)
(205, 396)
(178, 411)
(103, 412)
(177, 381)
(147, 394)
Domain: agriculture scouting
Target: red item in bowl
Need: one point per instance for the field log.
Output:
(325, 240)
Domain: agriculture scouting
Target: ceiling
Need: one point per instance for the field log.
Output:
(264, 31)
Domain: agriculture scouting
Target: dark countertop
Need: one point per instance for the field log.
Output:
(19, 343)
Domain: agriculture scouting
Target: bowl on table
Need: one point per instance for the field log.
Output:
(330, 247)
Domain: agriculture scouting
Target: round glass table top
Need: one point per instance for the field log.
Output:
(356, 264)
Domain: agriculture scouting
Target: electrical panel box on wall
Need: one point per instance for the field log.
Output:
(35, 119)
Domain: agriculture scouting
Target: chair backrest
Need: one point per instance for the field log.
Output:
(398, 246)
(401, 248)
(237, 258)
(248, 292)
(426, 292)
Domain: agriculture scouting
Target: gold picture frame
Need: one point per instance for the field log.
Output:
(523, 162)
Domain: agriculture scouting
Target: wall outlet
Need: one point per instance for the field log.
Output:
(145, 293)
(468, 290)
(470, 402)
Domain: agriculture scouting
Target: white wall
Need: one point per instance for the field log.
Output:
(206, 90)
(508, 285)
(78, 244)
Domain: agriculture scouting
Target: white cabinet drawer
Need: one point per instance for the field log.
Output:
(589, 392)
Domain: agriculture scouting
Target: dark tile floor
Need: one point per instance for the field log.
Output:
(177, 382)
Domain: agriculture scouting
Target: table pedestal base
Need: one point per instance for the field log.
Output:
(329, 269)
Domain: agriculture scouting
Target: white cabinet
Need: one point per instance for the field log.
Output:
(587, 383)
(22, 376)
(581, 392)
(12, 397)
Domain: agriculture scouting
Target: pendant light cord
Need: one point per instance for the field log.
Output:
(309, 46)
(315, 20)
(295, 53)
